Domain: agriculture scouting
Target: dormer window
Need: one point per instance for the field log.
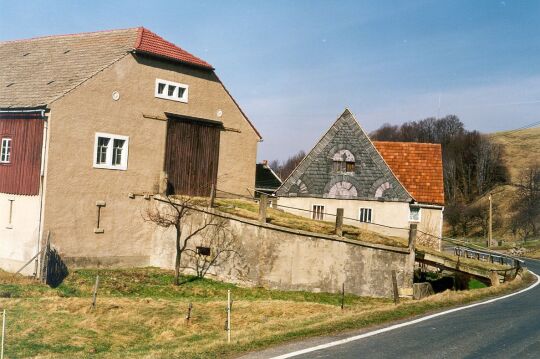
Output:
(169, 90)
(344, 161)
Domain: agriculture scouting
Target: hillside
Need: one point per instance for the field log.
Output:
(521, 149)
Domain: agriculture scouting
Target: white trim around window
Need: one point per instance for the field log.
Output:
(5, 150)
(317, 212)
(111, 151)
(169, 90)
(365, 215)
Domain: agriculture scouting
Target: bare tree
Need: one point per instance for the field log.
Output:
(216, 246)
(283, 170)
(527, 202)
(176, 212)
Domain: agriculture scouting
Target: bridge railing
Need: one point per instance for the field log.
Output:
(487, 256)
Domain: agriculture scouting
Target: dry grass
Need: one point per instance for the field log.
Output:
(127, 323)
(250, 210)
(521, 149)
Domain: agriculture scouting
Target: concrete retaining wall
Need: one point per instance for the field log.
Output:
(277, 258)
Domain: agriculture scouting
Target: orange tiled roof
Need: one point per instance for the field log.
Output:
(418, 166)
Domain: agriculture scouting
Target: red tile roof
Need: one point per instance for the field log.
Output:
(150, 43)
(418, 166)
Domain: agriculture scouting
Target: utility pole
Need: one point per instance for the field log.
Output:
(490, 233)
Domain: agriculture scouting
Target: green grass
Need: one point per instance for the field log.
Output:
(141, 314)
(476, 284)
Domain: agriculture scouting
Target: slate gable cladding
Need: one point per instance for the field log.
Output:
(315, 175)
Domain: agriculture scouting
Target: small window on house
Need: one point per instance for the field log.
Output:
(5, 150)
(365, 215)
(343, 161)
(111, 151)
(414, 215)
(160, 88)
(318, 212)
(171, 90)
(203, 251)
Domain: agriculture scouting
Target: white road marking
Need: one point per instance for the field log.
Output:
(401, 325)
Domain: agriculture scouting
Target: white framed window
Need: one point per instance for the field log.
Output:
(415, 214)
(5, 150)
(169, 90)
(111, 151)
(318, 212)
(365, 215)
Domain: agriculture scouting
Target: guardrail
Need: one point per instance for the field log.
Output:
(487, 256)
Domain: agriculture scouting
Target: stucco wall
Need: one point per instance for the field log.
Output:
(393, 214)
(431, 221)
(18, 241)
(389, 214)
(294, 260)
(73, 186)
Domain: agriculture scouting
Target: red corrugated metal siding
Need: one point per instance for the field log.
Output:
(22, 175)
(191, 158)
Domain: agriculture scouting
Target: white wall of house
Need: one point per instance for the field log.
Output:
(18, 236)
(391, 214)
(383, 215)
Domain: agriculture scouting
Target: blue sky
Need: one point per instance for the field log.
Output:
(294, 66)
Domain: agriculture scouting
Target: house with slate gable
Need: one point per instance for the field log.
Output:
(382, 186)
(92, 125)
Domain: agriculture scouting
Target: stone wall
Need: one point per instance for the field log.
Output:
(279, 258)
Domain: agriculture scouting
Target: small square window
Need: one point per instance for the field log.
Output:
(203, 251)
(318, 212)
(365, 215)
(5, 150)
(181, 92)
(169, 90)
(160, 88)
(350, 166)
(111, 151)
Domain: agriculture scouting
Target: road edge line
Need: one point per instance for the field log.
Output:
(405, 324)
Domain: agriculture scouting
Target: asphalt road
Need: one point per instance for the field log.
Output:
(509, 328)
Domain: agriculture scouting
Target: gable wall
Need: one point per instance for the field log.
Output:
(316, 171)
(73, 186)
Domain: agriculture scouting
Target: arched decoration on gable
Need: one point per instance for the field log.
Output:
(297, 188)
(344, 161)
(302, 188)
(379, 192)
(342, 189)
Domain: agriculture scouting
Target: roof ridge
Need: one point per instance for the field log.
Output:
(68, 35)
(409, 143)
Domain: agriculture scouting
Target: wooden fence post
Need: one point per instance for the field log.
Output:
(212, 195)
(3, 333)
(263, 205)
(395, 287)
(339, 222)
(94, 296)
(412, 236)
(343, 296)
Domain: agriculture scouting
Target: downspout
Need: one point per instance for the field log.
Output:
(41, 189)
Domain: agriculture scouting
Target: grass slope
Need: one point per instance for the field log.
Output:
(140, 314)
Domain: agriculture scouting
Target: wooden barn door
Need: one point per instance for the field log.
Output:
(191, 156)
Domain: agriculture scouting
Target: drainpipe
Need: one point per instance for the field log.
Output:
(41, 188)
